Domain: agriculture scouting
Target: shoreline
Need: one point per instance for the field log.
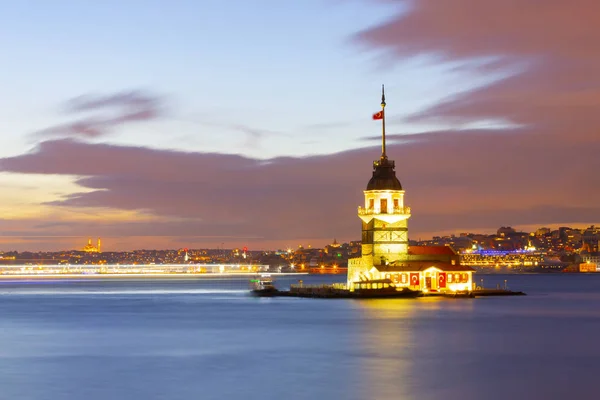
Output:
(180, 276)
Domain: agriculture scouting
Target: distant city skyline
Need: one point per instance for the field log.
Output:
(93, 242)
(183, 124)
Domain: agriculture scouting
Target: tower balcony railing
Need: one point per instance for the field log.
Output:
(372, 211)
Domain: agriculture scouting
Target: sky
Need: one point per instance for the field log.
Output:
(170, 124)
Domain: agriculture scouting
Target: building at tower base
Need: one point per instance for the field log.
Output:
(427, 268)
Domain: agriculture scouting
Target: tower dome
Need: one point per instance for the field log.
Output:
(384, 176)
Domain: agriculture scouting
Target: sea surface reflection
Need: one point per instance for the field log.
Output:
(210, 340)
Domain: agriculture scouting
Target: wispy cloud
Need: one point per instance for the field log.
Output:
(104, 113)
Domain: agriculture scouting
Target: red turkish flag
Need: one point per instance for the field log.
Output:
(378, 115)
(442, 280)
(414, 279)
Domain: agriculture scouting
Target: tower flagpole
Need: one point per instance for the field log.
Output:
(383, 155)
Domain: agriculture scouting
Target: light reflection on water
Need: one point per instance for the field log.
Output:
(387, 347)
(182, 340)
(394, 344)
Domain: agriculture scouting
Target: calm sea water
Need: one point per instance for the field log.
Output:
(194, 339)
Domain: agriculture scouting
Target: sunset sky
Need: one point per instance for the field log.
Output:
(169, 124)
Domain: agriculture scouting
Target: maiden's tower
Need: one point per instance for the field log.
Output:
(386, 253)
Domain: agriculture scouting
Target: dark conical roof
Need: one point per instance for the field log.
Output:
(384, 176)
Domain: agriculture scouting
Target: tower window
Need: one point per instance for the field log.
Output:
(384, 209)
(371, 204)
(396, 206)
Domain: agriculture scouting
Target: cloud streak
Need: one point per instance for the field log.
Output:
(108, 112)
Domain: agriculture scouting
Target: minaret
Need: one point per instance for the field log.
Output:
(384, 215)
(99, 249)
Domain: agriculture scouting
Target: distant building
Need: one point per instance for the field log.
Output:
(505, 231)
(590, 240)
(542, 231)
(588, 267)
(591, 258)
(333, 248)
(90, 248)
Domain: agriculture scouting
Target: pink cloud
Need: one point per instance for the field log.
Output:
(556, 88)
(466, 29)
(454, 181)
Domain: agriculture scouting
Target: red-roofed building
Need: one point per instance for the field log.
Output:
(431, 250)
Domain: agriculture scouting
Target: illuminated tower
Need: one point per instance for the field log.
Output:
(384, 215)
(386, 257)
(99, 248)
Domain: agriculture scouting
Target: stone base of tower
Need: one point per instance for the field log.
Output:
(358, 270)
